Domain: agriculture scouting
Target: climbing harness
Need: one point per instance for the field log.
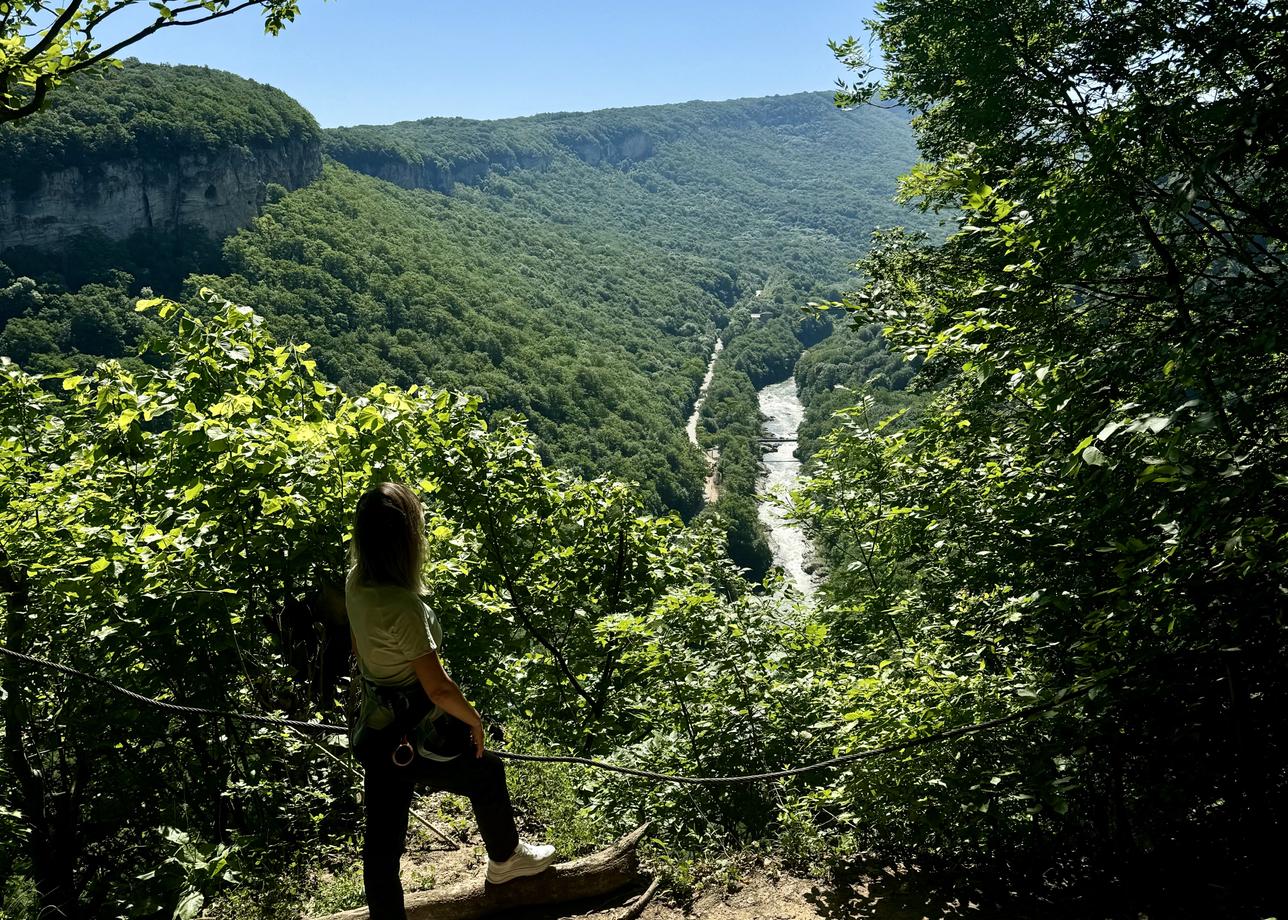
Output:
(1027, 712)
(405, 713)
(389, 713)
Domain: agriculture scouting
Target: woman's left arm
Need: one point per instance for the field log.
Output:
(447, 696)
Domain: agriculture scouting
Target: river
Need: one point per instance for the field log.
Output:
(710, 488)
(783, 411)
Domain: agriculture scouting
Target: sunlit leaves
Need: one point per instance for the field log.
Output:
(1088, 489)
(171, 518)
(42, 44)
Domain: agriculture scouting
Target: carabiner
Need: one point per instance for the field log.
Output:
(404, 754)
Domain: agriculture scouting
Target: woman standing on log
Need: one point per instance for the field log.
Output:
(415, 726)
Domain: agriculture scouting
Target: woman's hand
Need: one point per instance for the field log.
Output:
(476, 732)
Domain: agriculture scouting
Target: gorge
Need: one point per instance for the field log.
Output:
(555, 327)
(565, 268)
(1029, 662)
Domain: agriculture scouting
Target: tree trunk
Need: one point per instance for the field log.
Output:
(52, 827)
(591, 876)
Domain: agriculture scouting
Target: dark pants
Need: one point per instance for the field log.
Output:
(387, 794)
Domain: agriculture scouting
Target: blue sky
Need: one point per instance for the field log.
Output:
(377, 61)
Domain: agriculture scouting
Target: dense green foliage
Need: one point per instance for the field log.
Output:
(849, 363)
(1085, 504)
(156, 260)
(575, 275)
(149, 112)
(571, 614)
(408, 287)
(50, 330)
(782, 190)
(1094, 495)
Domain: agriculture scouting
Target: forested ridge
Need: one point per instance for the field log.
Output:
(1046, 472)
(782, 182)
(405, 287)
(580, 294)
(150, 112)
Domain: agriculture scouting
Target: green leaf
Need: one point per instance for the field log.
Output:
(189, 906)
(1093, 456)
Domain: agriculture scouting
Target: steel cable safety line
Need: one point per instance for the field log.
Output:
(176, 708)
(1027, 712)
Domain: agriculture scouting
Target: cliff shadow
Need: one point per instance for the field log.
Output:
(157, 259)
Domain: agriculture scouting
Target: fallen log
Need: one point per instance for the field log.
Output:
(591, 876)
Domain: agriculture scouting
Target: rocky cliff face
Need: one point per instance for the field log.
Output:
(219, 192)
(434, 176)
(627, 146)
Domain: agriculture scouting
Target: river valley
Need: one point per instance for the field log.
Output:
(710, 488)
(780, 470)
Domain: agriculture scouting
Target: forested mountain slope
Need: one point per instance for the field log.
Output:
(1047, 656)
(580, 289)
(151, 112)
(572, 268)
(787, 182)
(600, 350)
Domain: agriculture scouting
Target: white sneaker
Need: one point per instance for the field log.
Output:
(528, 859)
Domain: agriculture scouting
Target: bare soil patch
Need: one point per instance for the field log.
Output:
(764, 893)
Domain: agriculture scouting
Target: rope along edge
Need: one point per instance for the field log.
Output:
(326, 728)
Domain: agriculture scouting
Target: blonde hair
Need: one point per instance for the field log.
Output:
(388, 546)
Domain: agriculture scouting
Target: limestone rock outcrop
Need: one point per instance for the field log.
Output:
(628, 145)
(434, 175)
(219, 191)
(443, 175)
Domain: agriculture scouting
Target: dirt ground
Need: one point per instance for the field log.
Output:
(763, 893)
(759, 889)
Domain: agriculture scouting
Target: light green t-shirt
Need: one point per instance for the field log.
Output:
(393, 627)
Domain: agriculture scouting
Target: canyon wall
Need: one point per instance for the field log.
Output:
(219, 191)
